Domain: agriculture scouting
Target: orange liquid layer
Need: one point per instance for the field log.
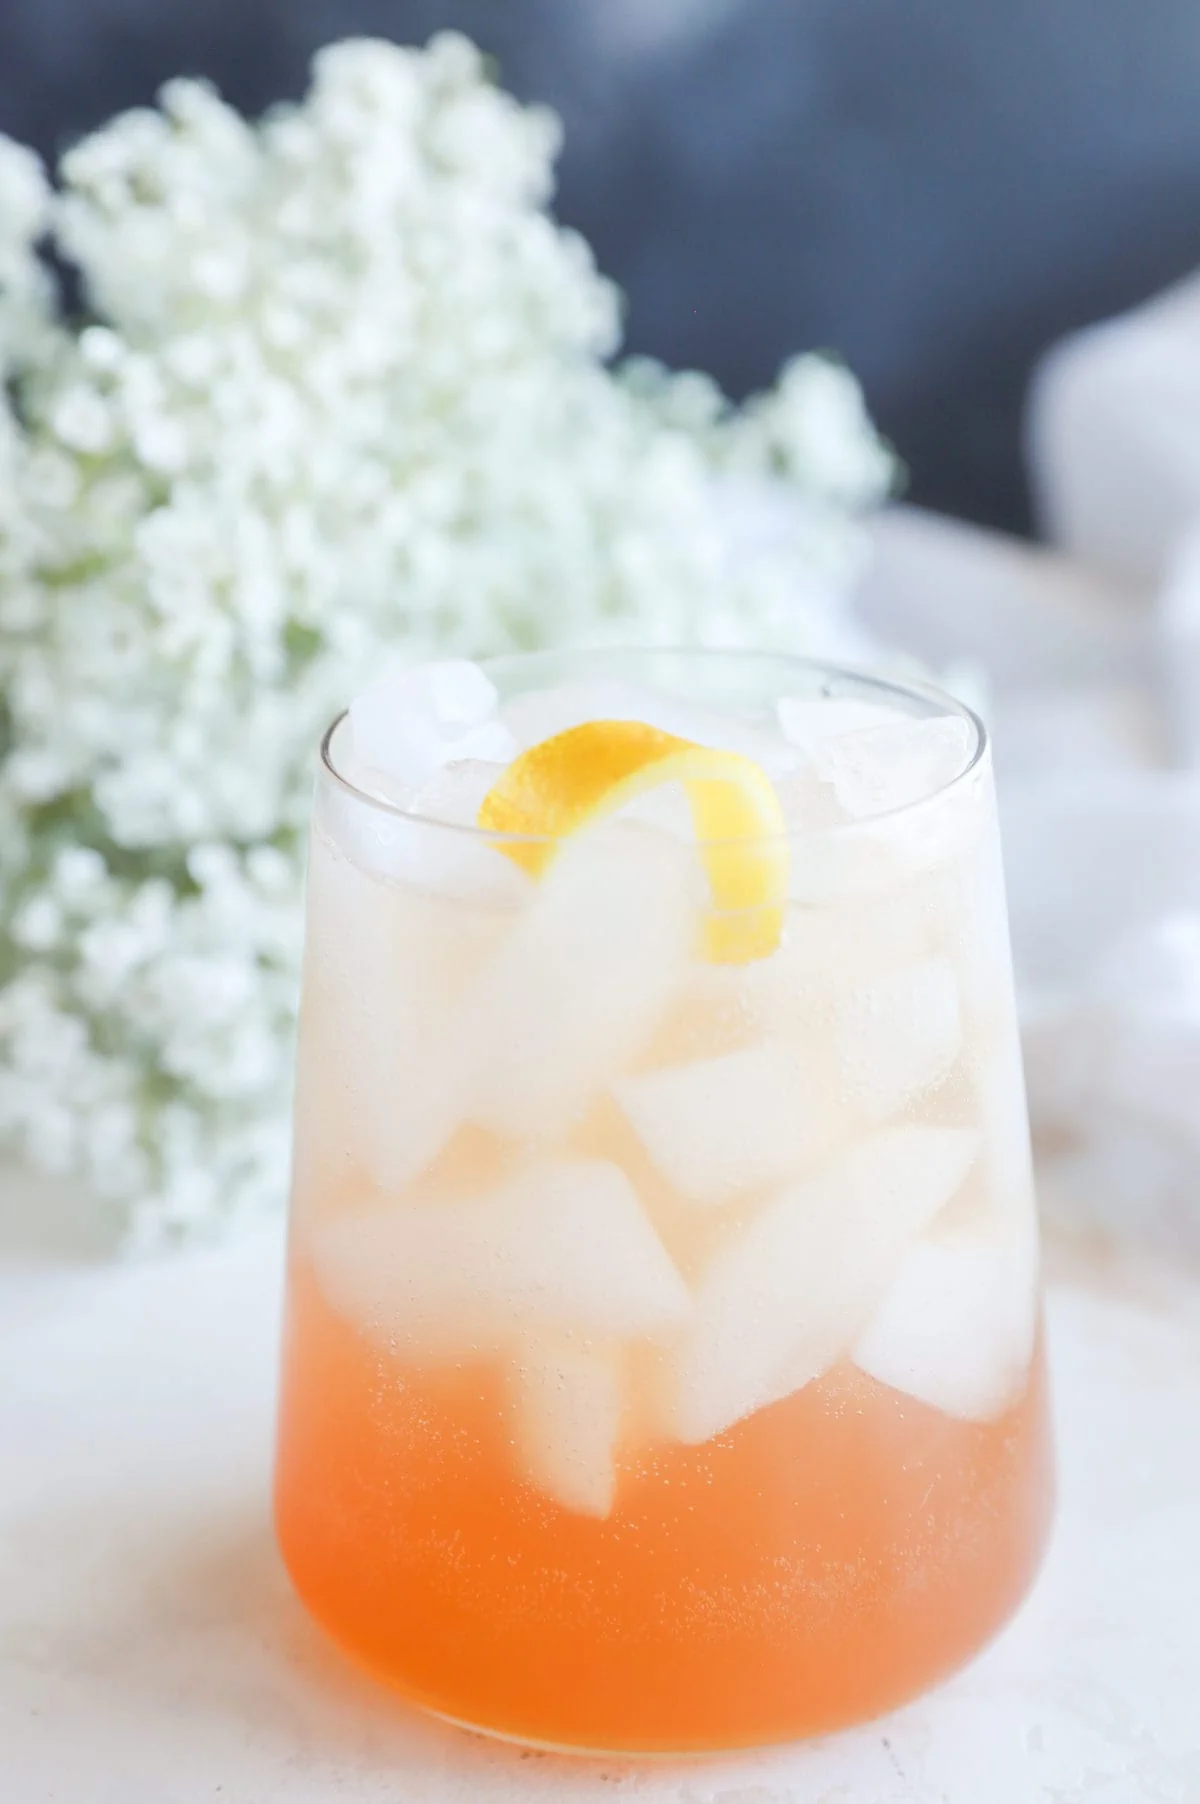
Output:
(824, 1560)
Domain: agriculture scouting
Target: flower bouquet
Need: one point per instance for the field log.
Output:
(278, 400)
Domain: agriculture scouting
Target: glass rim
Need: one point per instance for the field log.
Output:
(912, 688)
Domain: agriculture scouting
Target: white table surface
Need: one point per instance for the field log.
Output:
(152, 1653)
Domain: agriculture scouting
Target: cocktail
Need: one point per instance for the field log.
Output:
(662, 1366)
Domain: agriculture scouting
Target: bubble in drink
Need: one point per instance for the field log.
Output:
(412, 720)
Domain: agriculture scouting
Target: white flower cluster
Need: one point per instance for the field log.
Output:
(343, 385)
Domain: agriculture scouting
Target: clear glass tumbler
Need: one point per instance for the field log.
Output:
(663, 1367)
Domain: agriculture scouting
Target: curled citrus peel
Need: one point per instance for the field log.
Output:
(577, 778)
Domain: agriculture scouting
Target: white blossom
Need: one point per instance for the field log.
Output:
(344, 386)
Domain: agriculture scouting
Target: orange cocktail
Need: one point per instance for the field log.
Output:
(662, 1367)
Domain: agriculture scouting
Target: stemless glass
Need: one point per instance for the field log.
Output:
(663, 1368)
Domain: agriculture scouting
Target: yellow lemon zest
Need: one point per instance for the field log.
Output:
(576, 778)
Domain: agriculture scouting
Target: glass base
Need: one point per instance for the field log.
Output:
(569, 1751)
(728, 1749)
(801, 1576)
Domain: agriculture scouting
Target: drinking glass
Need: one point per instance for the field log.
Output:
(663, 1368)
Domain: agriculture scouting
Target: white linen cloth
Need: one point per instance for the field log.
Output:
(1091, 649)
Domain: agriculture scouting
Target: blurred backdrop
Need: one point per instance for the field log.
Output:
(937, 189)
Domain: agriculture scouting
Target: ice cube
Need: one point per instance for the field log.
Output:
(412, 720)
(722, 1126)
(783, 1301)
(563, 1245)
(375, 838)
(566, 1408)
(956, 1327)
(880, 768)
(873, 857)
(807, 805)
(433, 844)
(378, 784)
(384, 970)
(898, 1036)
(581, 983)
(543, 713)
(454, 793)
(461, 861)
(809, 722)
(826, 951)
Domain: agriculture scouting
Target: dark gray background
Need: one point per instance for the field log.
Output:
(936, 188)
